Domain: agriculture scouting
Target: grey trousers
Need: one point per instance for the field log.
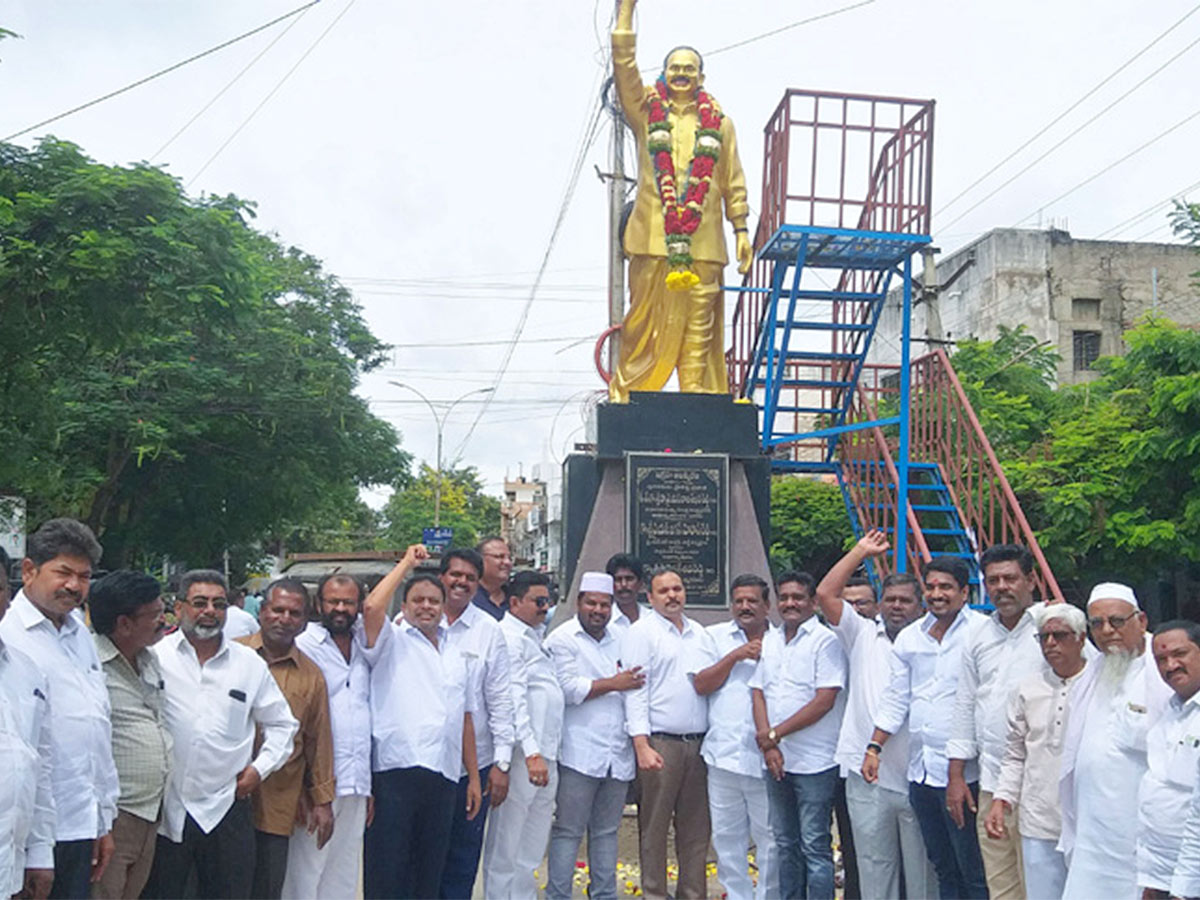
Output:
(584, 804)
(885, 829)
(675, 794)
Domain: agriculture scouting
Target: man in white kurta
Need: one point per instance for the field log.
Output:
(1111, 708)
(517, 835)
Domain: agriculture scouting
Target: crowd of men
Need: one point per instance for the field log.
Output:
(993, 755)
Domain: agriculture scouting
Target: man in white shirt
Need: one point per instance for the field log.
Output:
(238, 622)
(667, 719)
(476, 635)
(628, 575)
(798, 701)
(925, 666)
(516, 839)
(1172, 757)
(882, 820)
(1109, 711)
(999, 653)
(337, 644)
(26, 790)
(737, 792)
(423, 737)
(595, 766)
(217, 694)
(45, 623)
(1028, 778)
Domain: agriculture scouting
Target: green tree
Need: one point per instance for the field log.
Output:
(465, 508)
(809, 526)
(175, 378)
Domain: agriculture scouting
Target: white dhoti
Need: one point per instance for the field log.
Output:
(517, 833)
(332, 871)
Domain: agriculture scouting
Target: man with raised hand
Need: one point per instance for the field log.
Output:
(473, 633)
(667, 720)
(1109, 711)
(46, 624)
(923, 682)
(516, 839)
(1028, 778)
(885, 828)
(999, 653)
(798, 701)
(217, 693)
(302, 789)
(596, 764)
(737, 793)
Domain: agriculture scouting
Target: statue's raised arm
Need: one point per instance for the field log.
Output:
(688, 168)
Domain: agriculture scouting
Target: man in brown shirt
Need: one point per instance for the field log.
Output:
(305, 782)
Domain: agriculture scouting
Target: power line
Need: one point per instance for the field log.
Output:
(550, 340)
(1070, 135)
(1054, 121)
(219, 94)
(160, 73)
(1147, 212)
(274, 90)
(1113, 165)
(781, 30)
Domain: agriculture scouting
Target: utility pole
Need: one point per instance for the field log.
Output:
(616, 208)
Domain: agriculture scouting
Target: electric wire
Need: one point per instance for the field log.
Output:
(160, 73)
(273, 91)
(1117, 71)
(782, 29)
(1138, 218)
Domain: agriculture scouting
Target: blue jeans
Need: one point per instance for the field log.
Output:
(953, 851)
(594, 806)
(801, 813)
(466, 843)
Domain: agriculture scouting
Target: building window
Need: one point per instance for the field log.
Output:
(1085, 309)
(1087, 349)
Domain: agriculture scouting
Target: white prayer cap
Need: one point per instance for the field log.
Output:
(599, 582)
(1110, 590)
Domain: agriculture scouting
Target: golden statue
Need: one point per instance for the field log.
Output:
(687, 165)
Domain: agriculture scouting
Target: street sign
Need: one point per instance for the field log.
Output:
(438, 539)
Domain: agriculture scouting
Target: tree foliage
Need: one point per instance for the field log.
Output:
(465, 508)
(809, 526)
(173, 377)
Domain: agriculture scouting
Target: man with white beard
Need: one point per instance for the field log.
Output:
(1110, 709)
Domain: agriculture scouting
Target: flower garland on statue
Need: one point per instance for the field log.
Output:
(680, 220)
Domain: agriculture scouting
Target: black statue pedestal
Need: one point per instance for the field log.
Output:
(675, 479)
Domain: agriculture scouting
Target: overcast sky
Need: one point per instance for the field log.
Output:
(423, 151)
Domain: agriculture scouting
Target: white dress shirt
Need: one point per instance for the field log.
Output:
(594, 741)
(730, 743)
(26, 789)
(869, 651)
(239, 623)
(537, 696)
(211, 711)
(1172, 756)
(922, 687)
(1186, 880)
(789, 674)
(349, 687)
(994, 661)
(1028, 778)
(669, 658)
(419, 695)
(619, 623)
(86, 788)
(477, 636)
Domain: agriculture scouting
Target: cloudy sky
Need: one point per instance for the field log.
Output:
(426, 151)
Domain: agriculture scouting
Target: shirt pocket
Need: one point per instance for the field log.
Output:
(237, 714)
(1130, 725)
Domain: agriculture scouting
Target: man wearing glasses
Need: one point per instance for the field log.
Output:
(1118, 698)
(516, 839)
(1036, 720)
(497, 564)
(216, 692)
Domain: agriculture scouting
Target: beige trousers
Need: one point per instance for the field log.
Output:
(133, 853)
(679, 792)
(1002, 863)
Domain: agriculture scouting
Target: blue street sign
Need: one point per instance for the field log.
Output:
(437, 538)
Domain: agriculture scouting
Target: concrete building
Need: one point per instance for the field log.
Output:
(531, 520)
(1078, 295)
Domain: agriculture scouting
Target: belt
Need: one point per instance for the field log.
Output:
(688, 738)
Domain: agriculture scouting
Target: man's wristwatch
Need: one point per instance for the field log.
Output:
(503, 765)
(773, 736)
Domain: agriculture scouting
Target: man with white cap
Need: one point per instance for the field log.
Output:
(595, 763)
(1109, 711)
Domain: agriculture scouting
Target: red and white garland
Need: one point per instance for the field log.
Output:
(680, 220)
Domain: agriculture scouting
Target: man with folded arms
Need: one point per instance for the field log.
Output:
(667, 720)
(216, 693)
(595, 766)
